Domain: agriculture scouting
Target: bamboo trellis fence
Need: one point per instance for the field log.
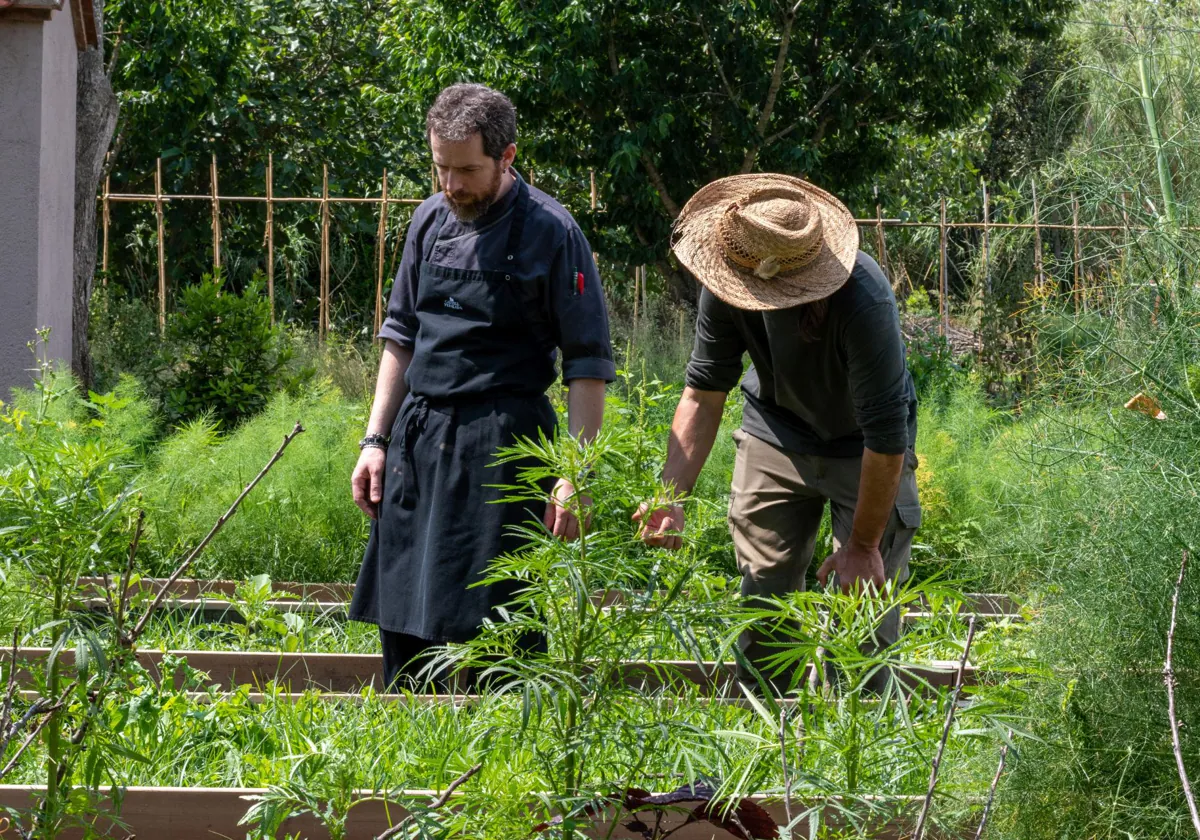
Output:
(639, 298)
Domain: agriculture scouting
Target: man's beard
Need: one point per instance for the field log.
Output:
(467, 207)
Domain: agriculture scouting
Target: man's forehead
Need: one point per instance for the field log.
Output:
(458, 153)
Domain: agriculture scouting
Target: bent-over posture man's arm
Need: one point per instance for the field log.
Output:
(878, 380)
(860, 558)
(693, 431)
(367, 479)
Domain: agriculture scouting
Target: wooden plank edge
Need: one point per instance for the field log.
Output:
(200, 813)
(338, 672)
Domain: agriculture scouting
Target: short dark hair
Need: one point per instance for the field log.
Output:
(465, 109)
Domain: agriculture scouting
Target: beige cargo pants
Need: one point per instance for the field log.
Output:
(775, 508)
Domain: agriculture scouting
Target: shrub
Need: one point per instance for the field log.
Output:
(223, 358)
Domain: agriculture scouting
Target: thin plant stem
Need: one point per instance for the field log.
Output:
(937, 759)
(1169, 680)
(164, 590)
(440, 802)
(787, 779)
(987, 808)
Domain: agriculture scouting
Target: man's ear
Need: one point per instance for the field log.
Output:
(509, 155)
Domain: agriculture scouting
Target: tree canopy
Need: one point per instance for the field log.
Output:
(662, 96)
(657, 97)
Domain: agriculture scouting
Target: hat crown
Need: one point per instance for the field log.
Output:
(771, 230)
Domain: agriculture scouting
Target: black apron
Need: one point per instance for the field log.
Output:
(476, 383)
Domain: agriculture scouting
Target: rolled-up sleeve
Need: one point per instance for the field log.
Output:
(400, 323)
(716, 361)
(878, 378)
(580, 319)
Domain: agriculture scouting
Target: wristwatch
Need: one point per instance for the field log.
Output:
(374, 442)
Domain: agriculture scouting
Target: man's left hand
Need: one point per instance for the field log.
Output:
(559, 520)
(856, 567)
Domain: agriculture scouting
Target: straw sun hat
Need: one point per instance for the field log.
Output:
(765, 241)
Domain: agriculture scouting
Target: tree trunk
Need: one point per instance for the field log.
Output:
(95, 119)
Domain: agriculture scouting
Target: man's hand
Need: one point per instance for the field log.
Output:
(856, 567)
(366, 481)
(662, 527)
(558, 519)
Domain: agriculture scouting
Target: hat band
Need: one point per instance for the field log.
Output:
(736, 252)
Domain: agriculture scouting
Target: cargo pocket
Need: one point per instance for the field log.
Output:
(909, 514)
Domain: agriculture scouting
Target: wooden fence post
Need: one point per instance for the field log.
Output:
(271, 234)
(107, 221)
(943, 280)
(216, 217)
(162, 267)
(1077, 252)
(383, 210)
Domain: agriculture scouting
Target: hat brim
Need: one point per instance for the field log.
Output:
(697, 245)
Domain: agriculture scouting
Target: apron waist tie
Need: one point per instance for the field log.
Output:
(418, 417)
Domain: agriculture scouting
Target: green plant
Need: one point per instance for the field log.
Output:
(62, 505)
(302, 525)
(223, 358)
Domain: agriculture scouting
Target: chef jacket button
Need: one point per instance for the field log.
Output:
(510, 256)
(507, 276)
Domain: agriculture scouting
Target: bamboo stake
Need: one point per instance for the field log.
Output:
(1169, 680)
(433, 178)
(532, 177)
(1039, 275)
(943, 282)
(637, 279)
(986, 254)
(323, 303)
(1075, 234)
(1124, 227)
(271, 234)
(107, 221)
(162, 268)
(382, 247)
(592, 175)
(880, 241)
(216, 216)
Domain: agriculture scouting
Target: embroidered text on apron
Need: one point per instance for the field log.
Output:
(477, 382)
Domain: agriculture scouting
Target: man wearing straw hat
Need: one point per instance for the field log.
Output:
(830, 408)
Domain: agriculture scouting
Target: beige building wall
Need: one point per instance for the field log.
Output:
(37, 189)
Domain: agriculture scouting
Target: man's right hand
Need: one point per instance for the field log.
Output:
(366, 481)
(662, 526)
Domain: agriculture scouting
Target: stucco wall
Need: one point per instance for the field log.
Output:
(20, 183)
(37, 189)
(56, 239)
